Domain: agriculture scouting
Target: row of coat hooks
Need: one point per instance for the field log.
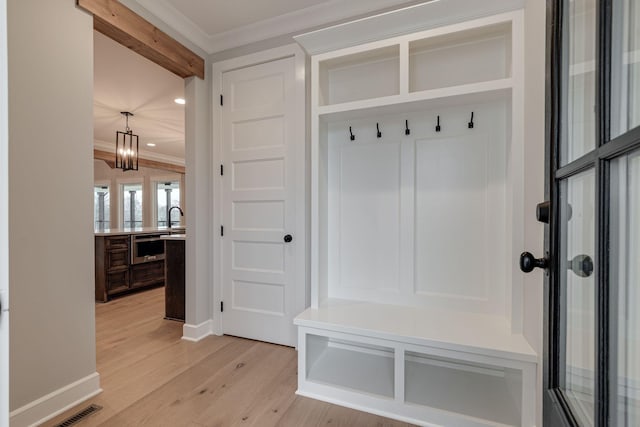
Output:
(407, 131)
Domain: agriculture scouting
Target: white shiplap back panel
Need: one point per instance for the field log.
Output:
(420, 219)
(365, 196)
(451, 217)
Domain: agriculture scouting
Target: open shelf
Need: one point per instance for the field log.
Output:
(366, 75)
(475, 333)
(477, 391)
(350, 359)
(349, 365)
(445, 61)
(447, 97)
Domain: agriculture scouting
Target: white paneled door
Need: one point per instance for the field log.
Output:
(259, 202)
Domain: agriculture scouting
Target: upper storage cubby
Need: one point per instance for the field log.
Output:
(476, 55)
(459, 64)
(364, 75)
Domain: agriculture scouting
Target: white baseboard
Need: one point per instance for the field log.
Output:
(55, 403)
(197, 332)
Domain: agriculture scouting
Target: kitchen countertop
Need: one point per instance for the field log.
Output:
(174, 237)
(138, 230)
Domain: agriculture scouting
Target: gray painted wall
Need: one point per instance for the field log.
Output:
(52, 332)
(199, 202)
(535, 30)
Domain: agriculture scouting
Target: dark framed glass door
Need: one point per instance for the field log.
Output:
(592, 290)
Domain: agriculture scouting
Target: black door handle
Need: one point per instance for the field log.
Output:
(288, 238)
(543, 212)
(528, 262)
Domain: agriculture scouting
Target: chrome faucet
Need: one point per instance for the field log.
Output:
(169, 214)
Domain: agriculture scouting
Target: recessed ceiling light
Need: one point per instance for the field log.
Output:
(180, 101)
(150, 144)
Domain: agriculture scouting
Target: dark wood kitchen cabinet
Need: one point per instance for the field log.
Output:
(174, 279)
(147, 274)
(114, 273)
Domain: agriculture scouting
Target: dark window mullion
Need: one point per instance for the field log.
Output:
(625, 143)
(603, 132)
(602, 294)
(579, 165)
(552, 163)
(603, 73)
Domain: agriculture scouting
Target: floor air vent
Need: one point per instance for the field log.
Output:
(79, 416)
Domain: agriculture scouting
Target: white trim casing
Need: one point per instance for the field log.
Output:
(302, 283)
(516, 202)
(56, 402)
(195, 333)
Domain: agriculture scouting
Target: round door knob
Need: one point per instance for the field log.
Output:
(581, 265)
(288, 238)
(528, 262)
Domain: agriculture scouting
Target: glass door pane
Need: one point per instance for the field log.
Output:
(577, 288)
(625, 67)
(625, 280)
(579, 136)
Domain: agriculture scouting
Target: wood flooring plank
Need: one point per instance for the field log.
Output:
(305, 412)
(272, 399)
(249, 391)
(151, 377)
(133, 384)
(177, 399)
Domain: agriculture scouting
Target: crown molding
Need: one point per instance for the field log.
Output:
(171, 16)
(400, 21)
(143, 154)
(299, 20)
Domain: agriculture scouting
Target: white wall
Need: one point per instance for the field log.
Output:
(102, 173)
(535, 57)
(52, 333)
(199, 181)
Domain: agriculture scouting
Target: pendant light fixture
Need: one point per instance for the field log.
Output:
(126, 147)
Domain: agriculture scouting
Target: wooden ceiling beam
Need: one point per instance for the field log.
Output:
(118, 22)
(109, 158)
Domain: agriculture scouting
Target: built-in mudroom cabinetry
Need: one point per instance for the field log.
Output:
(417, 217)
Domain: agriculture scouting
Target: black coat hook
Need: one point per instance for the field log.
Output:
(407, 131)
(438, 125)
(378, 128)
(471, 122)
(352, 136)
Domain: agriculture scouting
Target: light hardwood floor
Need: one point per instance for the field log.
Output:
(152, 377)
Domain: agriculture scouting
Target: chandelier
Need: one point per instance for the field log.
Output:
(126, 147)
